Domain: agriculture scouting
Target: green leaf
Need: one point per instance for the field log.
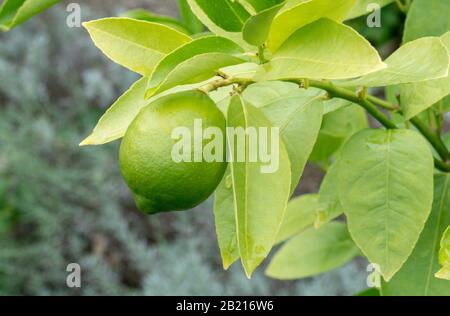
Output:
(329, 206)
(444, 258)
(190, 20)
(416, 277)
(313, 252)
(229, 15)
(225, 221)
(114, 123)
(386, 190)
(297, 112)
(434, 23)
(15, 12)
(136, 45)
(256, 29)
(421, 60)
(193, 70)
(336, 128)
(417, 97)
(204, 45)
(361, 7)
(300, 214)
(259, 5)
(323, 50)
(260, 198)
(297, 14)
(222, 17)
(145, 15)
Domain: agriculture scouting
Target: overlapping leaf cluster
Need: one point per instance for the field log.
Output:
(384, 180)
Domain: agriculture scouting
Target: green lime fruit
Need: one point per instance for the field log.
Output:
(159, 182)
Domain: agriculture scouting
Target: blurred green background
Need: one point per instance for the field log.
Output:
(61, 204)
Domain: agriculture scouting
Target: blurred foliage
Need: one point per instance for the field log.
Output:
(61, 204)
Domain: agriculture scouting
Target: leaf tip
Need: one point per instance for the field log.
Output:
(88, 141)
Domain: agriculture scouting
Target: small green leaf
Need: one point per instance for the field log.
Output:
(313, 252)
(361, 7)
(297, 14)
(416, 277)
(336, 128)
(204, 45)
(15, 12)
(435, 23)
(256, 29)
(323, 50)
(297, 112)
(329, 206)
(386, 190)
(421, 60)
(145, 15)
(225, 221)
(193, 70)
(190, 20)
(300, 214)
(136, 45)
(417, 97)
(444, 257)
(260, 198)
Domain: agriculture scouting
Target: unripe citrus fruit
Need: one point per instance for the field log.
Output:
(158, 182)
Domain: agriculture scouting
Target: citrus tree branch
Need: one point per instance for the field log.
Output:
(368, 102)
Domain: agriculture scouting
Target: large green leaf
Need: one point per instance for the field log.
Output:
(416, 277)
(444, 258)
(386, 190)
(222, 17)
(329, 206)
(361, 7)
(260, 199)
(435, 22)
(15, 12)
(256, 29)
(323, 50)
(203, 45)
(136, 45)
(297, 14)
(300, 214)
(196, 69)
(313, 252)
(297, 112)
(225, 221)
(417, 97)
(417, 61)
